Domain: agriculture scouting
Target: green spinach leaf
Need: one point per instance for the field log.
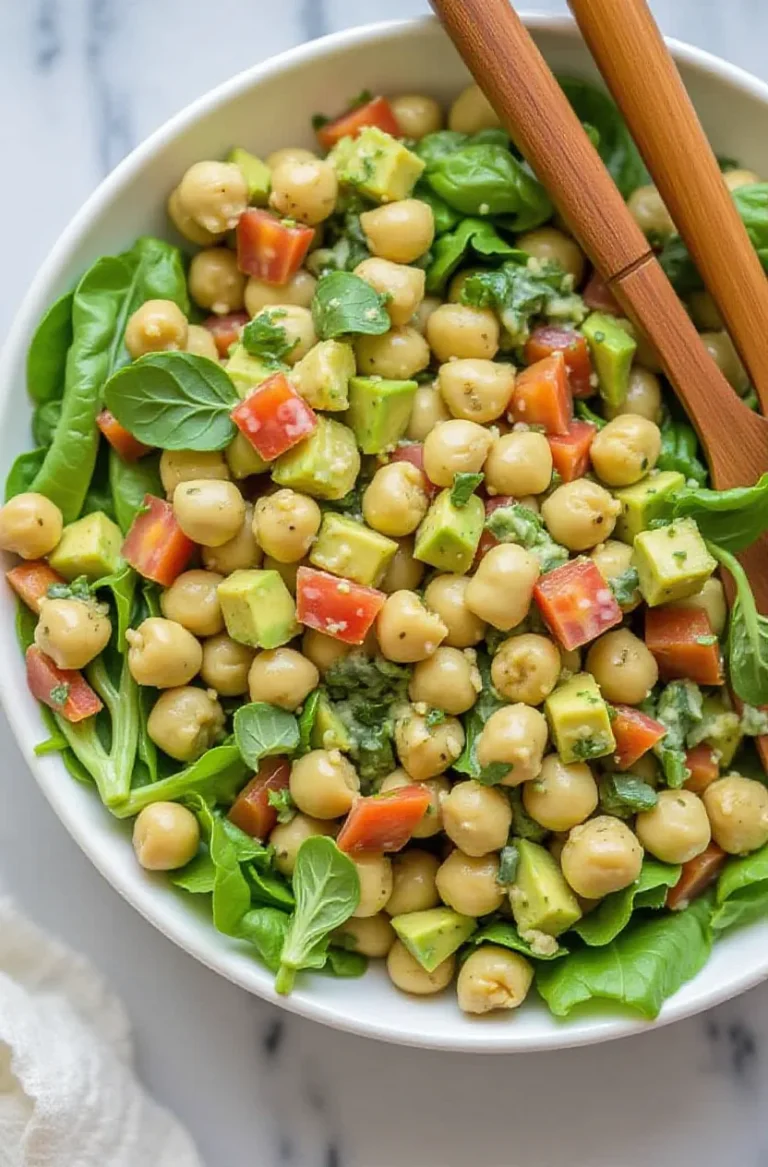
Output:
(23, 472)
(507, 936)
(262, 730)
(44, 421)
(731, 518)
(611, 916)
(445, 218)
(129, 482)
(485, 179)
(344, 303)
(47, 354)
(471, 237)
(747, 645)
(742, 891)
(433, 148)
(624, 795)
(615, 145)
(679, 450)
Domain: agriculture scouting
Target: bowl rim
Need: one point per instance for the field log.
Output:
(48, 771)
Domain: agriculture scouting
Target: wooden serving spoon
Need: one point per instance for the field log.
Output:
(512, 73)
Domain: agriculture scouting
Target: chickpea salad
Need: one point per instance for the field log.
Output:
(369, 568)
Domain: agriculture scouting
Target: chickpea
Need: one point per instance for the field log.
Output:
(472, 112)
(570, 663)
(438, 787)
(214, 195)
(282, 677)
(238, 553)
(457, 330)
(400, 231)
(165, 836)
(371, 936)
(580, 514)
(720, 347)
(519, 463)
(548, 245)
(612, 559)
(737, 809)
(407, 974)
(423, 313)
(562, 796)
(647, 354)
(447, 680)
(398, 355)
(526, 668)
(625, 450)
(417, 115)
(324, 784)
(477, 390)
(407, 632)
(734, 179)
(304, 189)
(447, 596)
(285, 524)
(455, 447)
(163, 653)
(404, 572)
(200, 342)
(704, 312)
(469, 884)
(225, 665)
(72, 632)
(676, 829)
(193, 602)
(623, 667)
(426, 751)
(650, 214)
(30, 525)
(413, 888)
(185, 722)
(601, 856)
(286, 838)
(711, 599)
(289, 154)
(298, 291)
(491, 978)
(216, 282)
(186, 225)
(157, 326)
(396, 499)
(643, 397)
(501, 589)
(376, 880)
(404, 286)
(517, 735)
(427, 411)
(322, 650)
(476, 818)
(177, 466)
(209, 510)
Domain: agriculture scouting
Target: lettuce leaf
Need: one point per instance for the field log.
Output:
(742, 891)
(649, 890)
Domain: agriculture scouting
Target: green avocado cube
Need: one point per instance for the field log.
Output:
(643, 502)
(672, 562)
(448, 536)
(377, 165)
(258, 609)
(431, 936)
(540, 898)
(90, 546)
(379, 411)
(329, 731)
(322, 376)
(579, 720)
(347, 548)
(243, 460)
(256, 174)
(246, 371)
(612, 351)
(324, 465)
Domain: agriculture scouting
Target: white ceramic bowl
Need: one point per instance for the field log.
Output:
(264, 108)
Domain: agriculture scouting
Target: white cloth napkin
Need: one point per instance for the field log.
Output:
(68, 1096)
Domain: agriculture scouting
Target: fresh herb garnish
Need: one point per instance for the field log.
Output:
(344, 304)
(282, 802)
(464, 486)
(264, 337)
(262, 730)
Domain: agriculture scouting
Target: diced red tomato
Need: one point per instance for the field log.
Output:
(383, 822)
(702, 762)
(226, 330)
(414, 453)
(251, 811)
(635, 733)
(64, 690)
(270, 249)
(681, 639)
(576, 603)
(377, 112)
(125, 445)
(274, 417)
(697, 875)
(336, 606)
(487, 539)
(156, 546)
(570, 452)
(599, 297)
(541, 396)
(578, 365)
(31, 581)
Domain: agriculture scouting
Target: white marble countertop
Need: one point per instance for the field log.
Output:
(81, 82)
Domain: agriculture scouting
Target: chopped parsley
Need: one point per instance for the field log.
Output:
(265, 338)
(464, 486)
(283, 803)
(624, 586)
(434, 717)
(509, 857)
(60, 693)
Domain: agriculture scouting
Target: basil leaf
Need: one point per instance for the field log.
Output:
(742, 891)
(47, 352)
(432, 148)
(464, 486)
(624, 795)
(615, 145)
(640, 969)
(445, 218)
(611, 916)
(343, 304)
(174, 400)
(507, 936)
(265, 928)
(472, 235)
(327, 890)
(486, 179)
(747, 645)
(262, 730)
(264, 337)
(731, 518)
